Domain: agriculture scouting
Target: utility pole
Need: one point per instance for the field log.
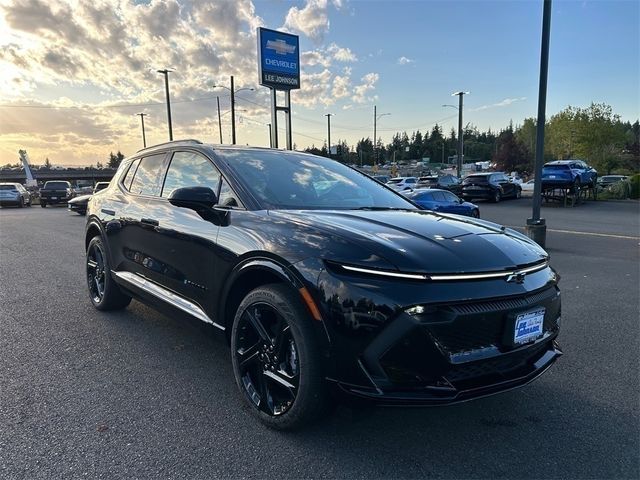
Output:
(460, 134)
(375, 143)
(144, 138)
(165, 72)
(536, 227)
(270, 137)
(219, 120)
(233, 113)
(329, 115)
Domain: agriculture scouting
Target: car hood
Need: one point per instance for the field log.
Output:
(422, 241)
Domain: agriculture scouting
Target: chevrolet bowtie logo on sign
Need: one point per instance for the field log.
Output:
(278, 59)
(280, 46)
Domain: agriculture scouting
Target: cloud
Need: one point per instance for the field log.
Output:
(312, 20)
(504, 103)
(405, 61)
(342, 54)
(361, 91)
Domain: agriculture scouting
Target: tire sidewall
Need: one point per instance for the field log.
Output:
(285, 301)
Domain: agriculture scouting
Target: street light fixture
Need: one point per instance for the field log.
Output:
(166, 72)
(376, 116)
(233, 107)
(460, 135)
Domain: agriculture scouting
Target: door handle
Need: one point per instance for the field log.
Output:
(150, 221)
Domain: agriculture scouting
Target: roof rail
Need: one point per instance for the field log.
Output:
(187, 141)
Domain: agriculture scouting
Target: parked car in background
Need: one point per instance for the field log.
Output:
(402, 183)
(444, 182)
(79, 204)
(568, 174)
(442, 201)
(608, 180)
(14, 194)
(528, 186)
(350, 289)
(492, 186)
(55, 191)
(381, 178)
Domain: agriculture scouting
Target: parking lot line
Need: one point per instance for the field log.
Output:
(575, 232)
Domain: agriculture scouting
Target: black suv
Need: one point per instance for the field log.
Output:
(492, 186)
(444, 182)
(322, 280)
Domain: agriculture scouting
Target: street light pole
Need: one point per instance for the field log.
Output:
(144, 138)
(329, 115)
(165, 72)
(536, 227)
(219, 120)
(375, 132)
(233, 107)
(460, 134)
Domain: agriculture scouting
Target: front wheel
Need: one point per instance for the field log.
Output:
(475, 213)
(518, 192)
(276, 362)
(21, 203)
(103, 291)
(43, 204)
(497, 196)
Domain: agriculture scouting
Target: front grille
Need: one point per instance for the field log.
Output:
(488, 324)
(498, 366)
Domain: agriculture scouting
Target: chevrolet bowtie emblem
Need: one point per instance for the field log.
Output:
(280, 46)
(516, 277)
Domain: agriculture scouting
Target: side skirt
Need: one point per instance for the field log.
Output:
(166, 296)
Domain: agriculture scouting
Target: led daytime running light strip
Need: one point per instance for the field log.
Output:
(460, 276)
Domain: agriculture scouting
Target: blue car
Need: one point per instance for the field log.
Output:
(443, 201)
(568, 174)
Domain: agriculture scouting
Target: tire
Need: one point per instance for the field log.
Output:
(518, 193)
(43, 204)
(475, 213)
(497, 196)
(21, 203)
(276, 362)
(103, 291)
(577, 184)
(30, 204)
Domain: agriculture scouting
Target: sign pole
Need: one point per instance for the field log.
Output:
(287, 105)
(274, 119)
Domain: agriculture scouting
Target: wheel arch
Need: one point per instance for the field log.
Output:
(253, 273)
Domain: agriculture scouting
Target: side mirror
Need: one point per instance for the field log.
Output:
(193, 197)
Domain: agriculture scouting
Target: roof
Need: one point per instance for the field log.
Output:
(564, 162)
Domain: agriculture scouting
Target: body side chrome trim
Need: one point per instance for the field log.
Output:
(167, 296)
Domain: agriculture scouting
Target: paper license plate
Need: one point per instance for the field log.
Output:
(529, 326)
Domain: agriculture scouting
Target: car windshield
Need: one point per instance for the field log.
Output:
(476, 179)
(429, 180)
(395, 181)
(56, 185)
(300, 181)
(551, 168)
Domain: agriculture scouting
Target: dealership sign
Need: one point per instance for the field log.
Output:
(278, 59)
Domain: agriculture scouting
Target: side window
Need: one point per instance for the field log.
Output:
(227, 197)
(450, 197)
(126, 181)
(189, 169)
(445, 181)
(411, 180)
(148, 177)
(438, 196)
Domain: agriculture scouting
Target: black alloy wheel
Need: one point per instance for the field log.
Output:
(475, 213)
(104, 293)
(497, 196)
(42, 204)
(518, 192)
(275, 360)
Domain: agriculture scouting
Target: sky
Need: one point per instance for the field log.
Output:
(75, 73)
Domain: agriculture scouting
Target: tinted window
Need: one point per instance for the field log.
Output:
(294, 180)
(189, 169)
(411, 180)
(57, 185)
(445, 181)
(438, 196)
(8, 187)
(126, 182)
(449, 197)
(227, 198)
(476, 179)
(148, 177)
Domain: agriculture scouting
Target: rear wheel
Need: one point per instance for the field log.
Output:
(275, 358)
(103, 291)
(21, 203)
(475, 213)
(43, 204)
(518, 192)
(497, 196)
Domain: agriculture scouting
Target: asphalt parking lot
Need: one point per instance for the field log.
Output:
(138, 394)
